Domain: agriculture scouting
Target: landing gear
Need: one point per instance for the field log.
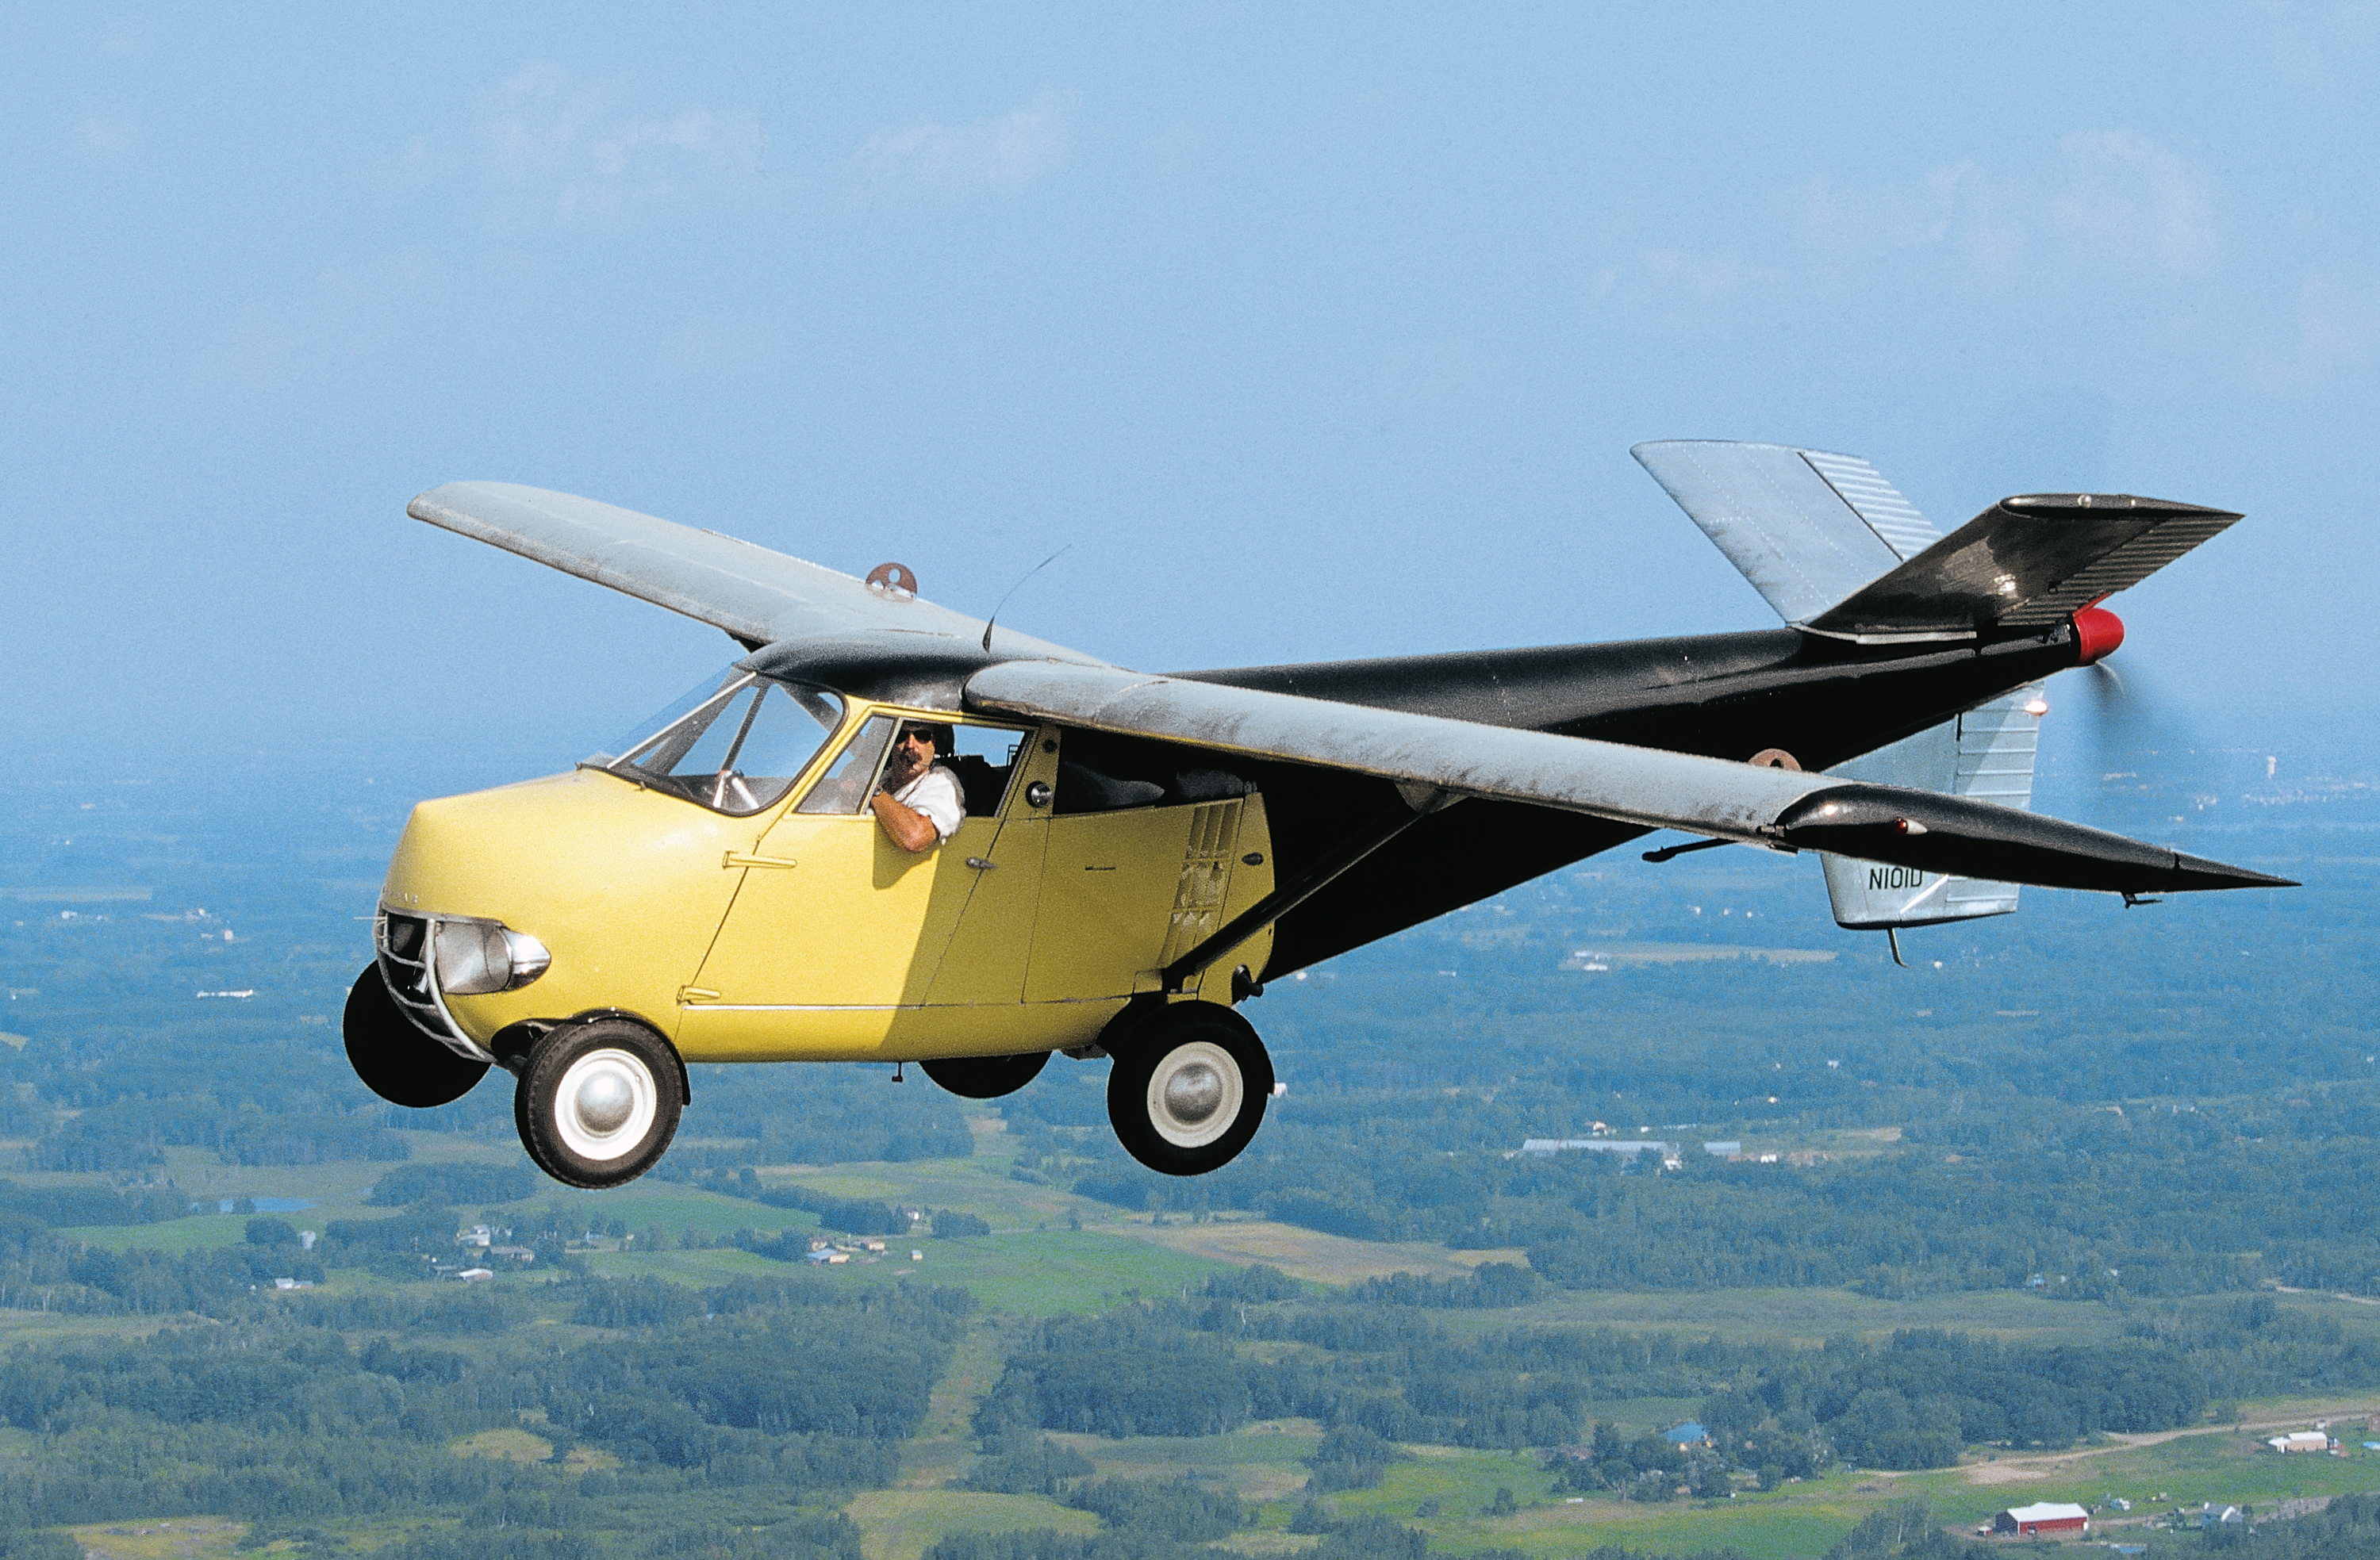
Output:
(598, 1102)
(1189, 1086)
(986, 1078)
(394, 1058)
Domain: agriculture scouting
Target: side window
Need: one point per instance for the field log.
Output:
(845, 786)
(983, 757)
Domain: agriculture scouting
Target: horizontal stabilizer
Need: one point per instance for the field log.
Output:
(2028, 562)
(1716, 797)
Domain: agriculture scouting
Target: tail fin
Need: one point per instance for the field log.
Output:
(1838, 552)
(1987, 754)
(1807, 528)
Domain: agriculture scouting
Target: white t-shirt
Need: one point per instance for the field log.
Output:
(936, 794)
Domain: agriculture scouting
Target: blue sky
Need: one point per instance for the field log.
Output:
(1316, 332)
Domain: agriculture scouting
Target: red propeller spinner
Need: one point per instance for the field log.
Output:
(2099, 632)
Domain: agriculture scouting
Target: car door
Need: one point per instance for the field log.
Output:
(836, 933)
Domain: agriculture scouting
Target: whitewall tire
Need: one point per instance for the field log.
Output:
(598, 1103)
(1189, 1087)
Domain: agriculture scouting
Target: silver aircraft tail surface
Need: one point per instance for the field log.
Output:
(1987, 753)
(1838, 552)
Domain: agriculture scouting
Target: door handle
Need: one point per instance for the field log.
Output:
(742, 858)
(978, 863)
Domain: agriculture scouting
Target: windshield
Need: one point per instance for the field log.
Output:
(670, 714)
(739, 748)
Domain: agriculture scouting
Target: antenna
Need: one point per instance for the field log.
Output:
(1017, 586)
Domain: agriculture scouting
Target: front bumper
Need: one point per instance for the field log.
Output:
(405, 943)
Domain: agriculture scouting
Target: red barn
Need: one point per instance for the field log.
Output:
(2045, 1521)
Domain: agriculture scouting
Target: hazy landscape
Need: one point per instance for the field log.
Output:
(2071, 1210)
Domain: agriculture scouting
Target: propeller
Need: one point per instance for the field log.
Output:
(2129, 725)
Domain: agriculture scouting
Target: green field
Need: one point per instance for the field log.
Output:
(1031, 1273)
(900, 1524)
(1051, 1254)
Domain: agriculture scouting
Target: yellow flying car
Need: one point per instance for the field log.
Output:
(1114, 862)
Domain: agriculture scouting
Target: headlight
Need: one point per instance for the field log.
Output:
(476, 957)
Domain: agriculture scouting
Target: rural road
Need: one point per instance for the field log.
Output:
(2012, 1469)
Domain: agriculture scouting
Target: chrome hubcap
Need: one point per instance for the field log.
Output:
(1194, 1092)
(1195, 1095)
(606, 1104)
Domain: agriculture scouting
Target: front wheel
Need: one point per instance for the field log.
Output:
(394, 1058)
(598, 1103)
(1188, 1089)
(985, 1078)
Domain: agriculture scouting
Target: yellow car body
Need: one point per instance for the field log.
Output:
(798, 935)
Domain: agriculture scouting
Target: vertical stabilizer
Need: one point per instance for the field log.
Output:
(1987, 754)
(1807, 528)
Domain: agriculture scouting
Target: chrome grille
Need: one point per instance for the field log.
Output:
(403, 943)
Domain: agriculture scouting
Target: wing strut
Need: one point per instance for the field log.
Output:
(1391, 821)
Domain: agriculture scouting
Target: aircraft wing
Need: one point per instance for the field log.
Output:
(757, 596)
(1644, 786)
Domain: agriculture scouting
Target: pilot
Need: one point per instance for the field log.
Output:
(919, 801)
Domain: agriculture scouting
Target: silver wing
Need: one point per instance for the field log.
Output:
(757, 596)
(1644, 786)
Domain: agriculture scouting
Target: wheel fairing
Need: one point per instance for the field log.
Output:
(392, 1057)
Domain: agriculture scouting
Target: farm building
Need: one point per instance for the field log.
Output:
(2301, 1441)
(2041, 1520)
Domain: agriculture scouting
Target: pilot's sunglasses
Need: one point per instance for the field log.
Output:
(915, 736)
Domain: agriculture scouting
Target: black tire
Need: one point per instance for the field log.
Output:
(598, 1103)
(1189, 1086)
(986, 1078)
(394, 1058)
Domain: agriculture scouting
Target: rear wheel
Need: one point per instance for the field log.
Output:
(598, 1102)
(394, 1058)
(985, 1078)
(1189, 1087)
